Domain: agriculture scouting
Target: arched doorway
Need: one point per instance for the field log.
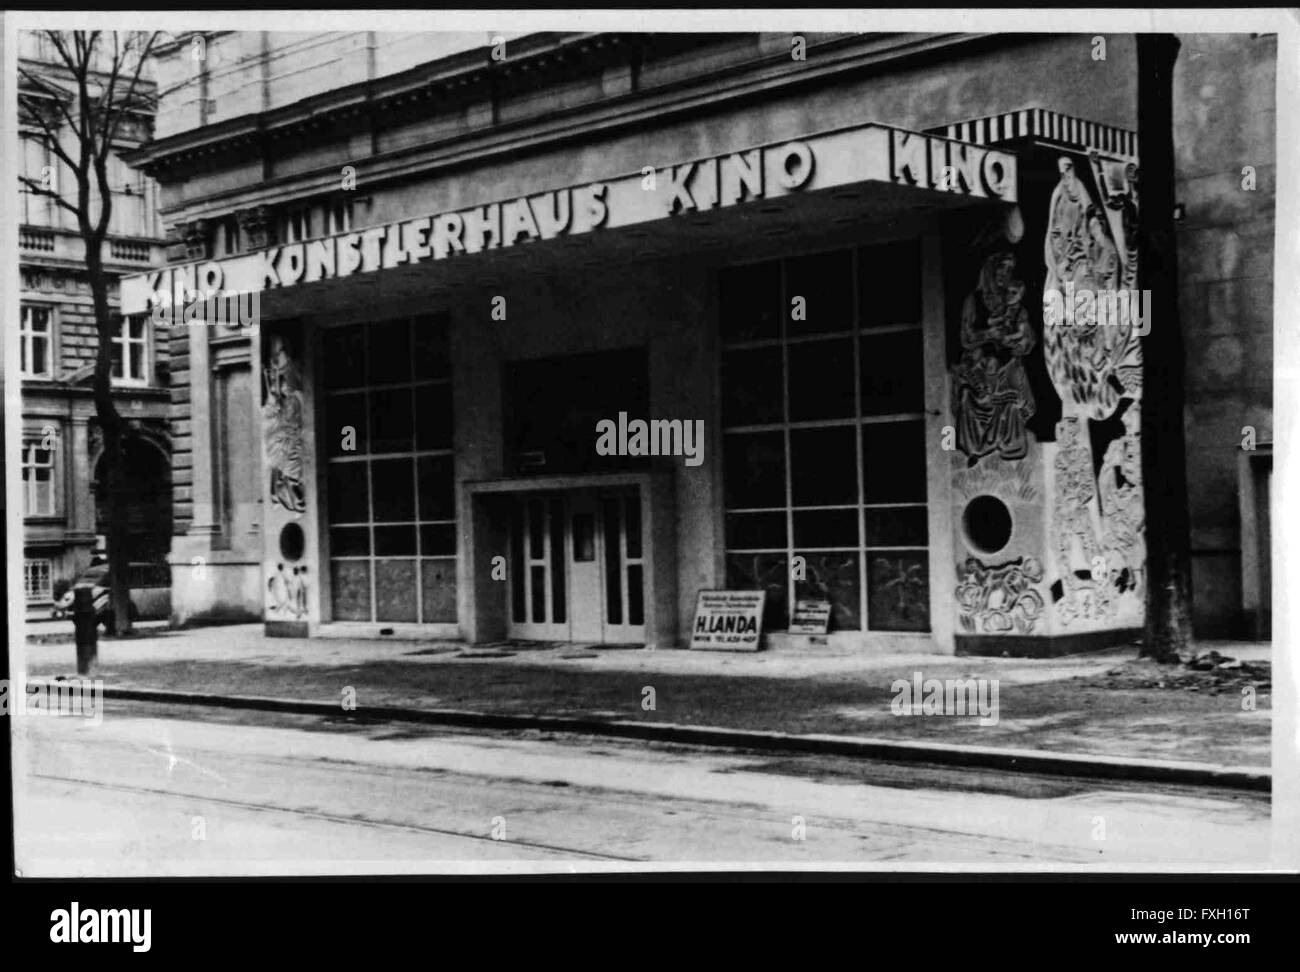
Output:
(148, 498)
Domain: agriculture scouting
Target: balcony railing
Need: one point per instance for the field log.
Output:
(40, 241)
(130, 251)
(66, 245)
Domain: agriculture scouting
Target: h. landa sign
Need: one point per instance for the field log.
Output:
(871, 153)
(728, 620)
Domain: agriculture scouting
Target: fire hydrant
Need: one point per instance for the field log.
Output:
(85, 628)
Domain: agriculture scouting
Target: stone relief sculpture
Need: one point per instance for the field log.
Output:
(1095, 363)
(287, 591)
(1076, 546)
(992, 397)
(1010, 481)
(282, 414)
(993, 403)
(999, 599)
(1123, 512)
(283, 411)
(1092, 365)
(1094, 554)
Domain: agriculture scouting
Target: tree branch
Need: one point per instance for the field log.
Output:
(56, 96)
(107, 92)
(60, 45)
(131, 90)
(50, 137)
(36, 189)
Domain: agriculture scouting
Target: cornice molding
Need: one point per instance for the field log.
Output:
(423, 82)
(726, 87)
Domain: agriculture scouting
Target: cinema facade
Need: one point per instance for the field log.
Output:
(835, 268)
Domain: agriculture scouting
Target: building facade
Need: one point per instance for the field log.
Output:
(61, 445)
(553, 332)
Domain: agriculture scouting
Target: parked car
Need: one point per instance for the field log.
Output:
(95, 577)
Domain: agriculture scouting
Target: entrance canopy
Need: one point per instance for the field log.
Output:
(869, 172)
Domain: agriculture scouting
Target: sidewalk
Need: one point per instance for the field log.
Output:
(46, 626)
(1104, 704)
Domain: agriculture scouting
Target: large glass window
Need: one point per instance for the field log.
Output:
(37, 341)
(38, 478)
(391, 482)
(823, 402)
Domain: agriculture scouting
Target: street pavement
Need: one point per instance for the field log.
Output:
(1100, 704)
(175, 790)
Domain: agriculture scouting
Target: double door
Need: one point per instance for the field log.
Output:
(576, 568)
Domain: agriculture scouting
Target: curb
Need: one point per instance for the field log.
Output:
(1256, 779)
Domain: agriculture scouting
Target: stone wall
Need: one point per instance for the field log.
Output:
(1224, 120)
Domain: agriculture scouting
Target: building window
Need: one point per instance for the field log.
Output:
(37, 580)
(338, 217)
(130, 215)
(391, 484)
(37, 341)
(41, 166)
(38, 479)
(824, 435)
(131, 352)
(295, 225)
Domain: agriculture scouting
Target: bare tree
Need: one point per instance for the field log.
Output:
(79, 105)
(1164, 450)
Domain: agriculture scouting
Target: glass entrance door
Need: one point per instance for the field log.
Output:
(621, 553)
(585, 542)
(577, 568)
(538, 550)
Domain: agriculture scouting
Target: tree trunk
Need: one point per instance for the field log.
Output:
(1164, 453)
(114, 487)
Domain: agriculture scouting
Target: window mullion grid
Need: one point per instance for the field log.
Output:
(370, 485)
(526, 519)
(790, 590)
(415, 479)
(548, 580)
(621, 519)
(864, 567)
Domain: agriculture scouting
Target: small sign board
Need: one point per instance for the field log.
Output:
(810, 617)
(728, 620)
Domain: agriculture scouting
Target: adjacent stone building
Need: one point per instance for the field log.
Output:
(61, 445)
(1225, 142)
(843, 259)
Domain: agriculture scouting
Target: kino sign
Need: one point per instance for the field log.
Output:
(870, 153)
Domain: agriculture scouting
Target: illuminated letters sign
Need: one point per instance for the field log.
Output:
(852, 156)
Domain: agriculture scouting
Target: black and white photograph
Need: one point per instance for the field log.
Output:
(644, 442)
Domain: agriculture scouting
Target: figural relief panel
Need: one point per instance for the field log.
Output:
(997, 489)
(1093, 320)
(1093, 356)
(283, 411)
(991, 395)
